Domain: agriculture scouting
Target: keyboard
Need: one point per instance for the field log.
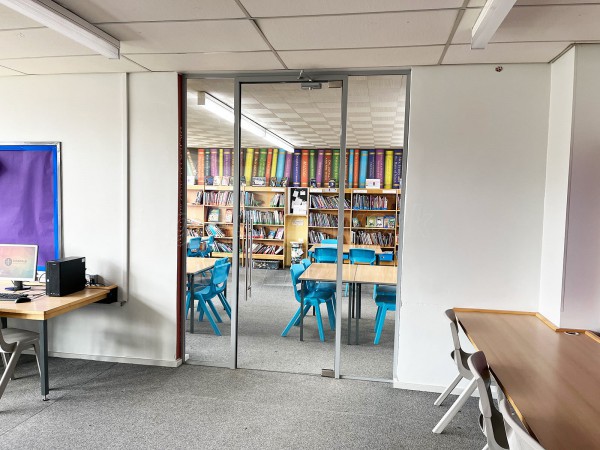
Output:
(7, 297)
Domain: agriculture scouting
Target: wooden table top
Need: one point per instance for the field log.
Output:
(327, 272)
(376, 275)
(44, 307)
(347, 247)
(551, 378)
(195, 265)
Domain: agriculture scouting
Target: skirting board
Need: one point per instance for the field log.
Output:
(116, 359)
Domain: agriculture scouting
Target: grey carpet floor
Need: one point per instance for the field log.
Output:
(97, 405)
(262, 320)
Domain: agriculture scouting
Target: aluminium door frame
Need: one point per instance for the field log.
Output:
(292, 76)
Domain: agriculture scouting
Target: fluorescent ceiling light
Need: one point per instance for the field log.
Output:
(492, 15)
(54, 16)
(224, 111)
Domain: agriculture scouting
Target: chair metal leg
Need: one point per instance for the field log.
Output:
(10, 368)
(458, 404)
(448, 390)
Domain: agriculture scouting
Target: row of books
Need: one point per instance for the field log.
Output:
(214, 230)
(194, 232)
(261, 249)
(378, 222)
(220, 246)
(322, 220)
(277, 200)
(326, 202)
(224, 198)
(262, 233)
(265, 217)
(315, 237)
(372, 238)
(214, 215)
(199, 198)
(300, 167)
(360, 201)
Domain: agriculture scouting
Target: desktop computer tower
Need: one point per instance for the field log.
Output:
(65, 276)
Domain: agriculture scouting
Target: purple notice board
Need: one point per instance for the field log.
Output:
(30, 197)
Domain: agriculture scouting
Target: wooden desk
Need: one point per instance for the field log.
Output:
(43, 308)
(195, 266)
(551, 378)
(347, 247)
(387, 275)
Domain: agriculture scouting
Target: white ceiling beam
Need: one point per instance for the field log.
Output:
(54, 16)
(491, 17)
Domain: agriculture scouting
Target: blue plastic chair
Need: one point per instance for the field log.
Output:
(385, 299)
(218, 283)
(326, 254)
(362, 256)
(329, 242)
(324, 287)
(193, 247)
(312, 299)
(202, 283)
(206, 246)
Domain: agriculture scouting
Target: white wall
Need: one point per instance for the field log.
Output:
(474, 204)
(557, 186)
(87, 113)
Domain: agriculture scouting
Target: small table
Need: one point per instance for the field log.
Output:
(347, 247)
(41, 309)
(196, 266)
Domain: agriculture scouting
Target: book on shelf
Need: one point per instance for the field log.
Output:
(262, 249)
(268, 163)
(350, 171)
(262, 163)
(214, 215)
(380, 165)
(271, 234)
(384, 239)
(221, 167)
(319, 201)
(265, 217)
(277, 201)
(355, 222)
(200, 170)
(220, 198)
(312, 164)
(371, 163)
(214, 161)
(280, 171)
(296, 169)
(199, 198)
(191, 221)
(315, 237)
(327, 166)
(371, 222)
(335, 166)
(207, 172)
(364, 161)
(227, 152)
(304, 167)
(397, 169)
(366, 201)
(255, 162)
(389, 222)
(229, 215)
(249, 162)
(192, 164)
(194, 232)
(214, 230)
(223, 247)
(389, 169)
(287, 171)
(356, 168)
(322, 220)
(319, 171)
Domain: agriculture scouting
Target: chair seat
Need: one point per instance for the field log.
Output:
(12, 335)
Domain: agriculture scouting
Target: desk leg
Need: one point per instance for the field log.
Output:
(357, 309)
(4, 322)
(302, 287)
(350, 301)
(44, 359)
(191, 282)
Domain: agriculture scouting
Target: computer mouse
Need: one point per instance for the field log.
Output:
(23, 299)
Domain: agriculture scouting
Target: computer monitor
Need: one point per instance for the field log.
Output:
(18, 263)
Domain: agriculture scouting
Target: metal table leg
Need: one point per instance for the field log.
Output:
(350, 302)
(4, 322)
(302, 287)
(44, 359)
(357, 310)
(191, 282)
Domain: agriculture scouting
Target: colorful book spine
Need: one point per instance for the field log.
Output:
(242, 161)
(280, 164)
(312, 164)
(227, 162)
(347, 164)
(206, 163)
(200, 166)
(350, 171)
(335, 167)
(364, 162)
(296, 168)
(221, 157)
(273, 172)
(214, 161)
(304, 169)
(389, 169)
(287, 172)
(320, 162)
(371, 164)
(379, 162)
(261, 169)
(255, 163)
(327, 166)
(397, 174)
(356, 168)
(248, 164)
(268, 164)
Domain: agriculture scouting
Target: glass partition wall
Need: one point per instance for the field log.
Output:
(298, 217)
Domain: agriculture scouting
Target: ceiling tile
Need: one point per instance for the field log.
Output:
(187, 37)
(6, 72)
(523, 52)
(272, 8)
(10, 19)
(463, 32)
(359, 31)
(151, 10)
(198, 62)
(554, 2)
(71, 64)
(37, 42)
(359, 58)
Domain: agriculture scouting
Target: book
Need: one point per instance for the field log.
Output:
(214, 215)
(279, 174)
(242, 161)
(312, 164)
(356, 168)
(335, 167)
(371, 163)
(389, 169)
(362, 177)
(268, 163)
(296, 169)
(206, 164)
(200, 166)
(227, 162)
(371, 221)
(248, 163)
(273, 173)
(255, 162)
(379, 162)
(262, 163)
(350, 171)
(304, 169)
(319, 173)
(192, 164)
(397, 172)
(214, 161)
(221, 168)
(287, 172)
(229, 215)
(327, 166)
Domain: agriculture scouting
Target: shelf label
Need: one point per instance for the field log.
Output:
(278, 189)
(360, 191)
(389, 191)
(316, 190)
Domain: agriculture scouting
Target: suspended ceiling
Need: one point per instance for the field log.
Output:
(306, 119)
(240, 35)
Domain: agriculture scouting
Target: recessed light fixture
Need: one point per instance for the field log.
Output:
(54, 16)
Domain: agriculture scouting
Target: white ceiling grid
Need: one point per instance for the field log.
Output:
(239, 35)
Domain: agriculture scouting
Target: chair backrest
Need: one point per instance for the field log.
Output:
(295, 271)
(329, 241)
(492, 423)
(220, 273)
(221, 261)
(362, 256)
(306, 262)
(518, 437)
(5, 347)
(326, 254)
(206, 245)
(193, 247)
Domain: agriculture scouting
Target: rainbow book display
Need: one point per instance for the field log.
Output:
(300, 167)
